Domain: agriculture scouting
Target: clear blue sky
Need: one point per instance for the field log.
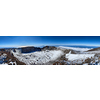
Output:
(13, 41)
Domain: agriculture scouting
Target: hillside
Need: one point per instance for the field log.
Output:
(95, 49)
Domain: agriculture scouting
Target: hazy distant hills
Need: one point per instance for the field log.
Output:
(77, 46)
(95, 49)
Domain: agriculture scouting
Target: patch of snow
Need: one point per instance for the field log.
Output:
(4, 64)
(70, 52)
(12, 63)
(85, 64)
(3, 56)
(99, 63)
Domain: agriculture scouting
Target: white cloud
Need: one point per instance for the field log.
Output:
(76, 48)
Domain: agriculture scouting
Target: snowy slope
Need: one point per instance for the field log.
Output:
(40, 57)
(72, 57)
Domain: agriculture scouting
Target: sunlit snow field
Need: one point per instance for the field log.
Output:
(40, 57)
(79, 56)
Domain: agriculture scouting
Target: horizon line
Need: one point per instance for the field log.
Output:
(48, 45)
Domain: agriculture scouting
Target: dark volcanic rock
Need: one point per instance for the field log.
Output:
(29, 49)
(49, 48)
(88, 60)
(34, 49)
(68, 50)
(2, 49)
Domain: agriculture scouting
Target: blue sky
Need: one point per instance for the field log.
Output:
(13, 41)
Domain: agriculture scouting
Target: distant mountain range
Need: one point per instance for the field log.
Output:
(29, 49)
(79, 46)
(56, 55)
(95, 49)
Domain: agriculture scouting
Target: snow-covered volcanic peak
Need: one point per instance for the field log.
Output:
(76, 48)
(40, 57)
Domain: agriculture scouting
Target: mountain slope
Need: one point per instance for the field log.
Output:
(38, 57)
(95, 49)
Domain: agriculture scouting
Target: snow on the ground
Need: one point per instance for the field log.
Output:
(40, 57)
(76, 48)
(4, 64)
(85, 64)
(72, 57)
(12, 63)
(3, 56)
